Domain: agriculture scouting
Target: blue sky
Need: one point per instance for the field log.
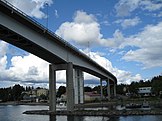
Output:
(124, 36)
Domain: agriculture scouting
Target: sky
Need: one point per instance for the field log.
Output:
(123, 36)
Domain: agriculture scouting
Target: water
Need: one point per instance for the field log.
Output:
(14, 113)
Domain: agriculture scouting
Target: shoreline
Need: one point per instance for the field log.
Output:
(94, 113)
(21, 103)
(85, 112)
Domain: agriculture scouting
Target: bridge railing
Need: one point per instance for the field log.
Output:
(45, 29)
(51, 33)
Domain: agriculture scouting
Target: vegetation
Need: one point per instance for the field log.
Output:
(11, 93)
(155, 83)
(61, 90)
(15, 93)
(87, 89)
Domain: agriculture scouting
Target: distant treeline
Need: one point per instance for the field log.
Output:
(15, 93)
(155, 83)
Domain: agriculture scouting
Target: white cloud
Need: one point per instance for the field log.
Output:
(3, 62)
(117, 40)
(83, 17)
(32, 8)
(3, 57)
(82, 30)
(151, 5)
(125, 23)
(125, 7)
(56, 14)
(122, 75)
(85, 29)
(3, 48)
(149, 43)
(28, 68)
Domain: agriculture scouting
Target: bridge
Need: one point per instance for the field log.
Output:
(22, 31)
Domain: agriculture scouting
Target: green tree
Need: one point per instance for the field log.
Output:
(16, 92)
(61, 90)
(43, 97)
(157, 84)
(97, 89)
(133, 87)
(87, 89)
(120, 89)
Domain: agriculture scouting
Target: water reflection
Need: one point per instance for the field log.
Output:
(81, 118)
(75, 118)
(15, 113)
(52, 118)
(69, 118)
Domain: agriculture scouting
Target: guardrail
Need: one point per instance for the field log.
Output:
(45, 29)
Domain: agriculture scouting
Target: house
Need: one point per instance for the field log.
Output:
(38, 92)
(41, 91)
(145, 91)
(28, 97)
(34, 95)
(91, 96)
(88, 96)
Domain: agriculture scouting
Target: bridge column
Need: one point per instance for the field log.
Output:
(114, 89)
(70, 87)
(108, 88)
(76, 87)
(101, 89)
(79, 86)
(52, 89)
(81, 80)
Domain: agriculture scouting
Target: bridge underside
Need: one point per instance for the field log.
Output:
(20, 30)
(23, 43)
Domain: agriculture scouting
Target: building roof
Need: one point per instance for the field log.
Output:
(91, 94)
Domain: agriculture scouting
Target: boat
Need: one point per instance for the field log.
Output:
(133, 105)
(61, 105)
(120, 107)
(145, 106)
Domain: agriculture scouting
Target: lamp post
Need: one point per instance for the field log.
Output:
(46, 4)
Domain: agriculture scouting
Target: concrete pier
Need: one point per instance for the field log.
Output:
(74, 83)
(101, 89)
(70, 87)
(114, 90)
(52, 89)
(78, 86)
(108, 89)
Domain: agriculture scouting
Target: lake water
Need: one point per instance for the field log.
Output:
(14, 113)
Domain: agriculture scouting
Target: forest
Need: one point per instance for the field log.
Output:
(15, 93)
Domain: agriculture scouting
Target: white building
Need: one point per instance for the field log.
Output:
(41, 91)
(145, 91)
(34, 95)
(88, 96)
